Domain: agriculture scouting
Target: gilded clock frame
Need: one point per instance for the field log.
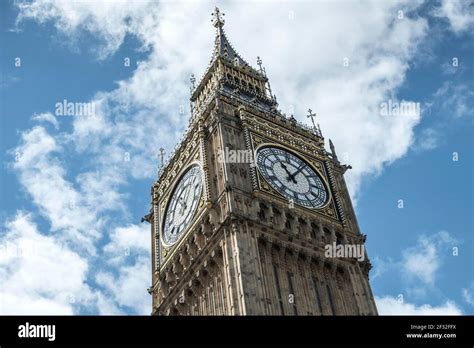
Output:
(316, 162)
(312, 164)
(169, 197)
(166, 251)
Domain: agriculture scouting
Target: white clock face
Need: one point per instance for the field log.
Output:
(183, 205)
(292, 177)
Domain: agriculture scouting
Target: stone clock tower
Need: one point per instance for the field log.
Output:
(245, 208)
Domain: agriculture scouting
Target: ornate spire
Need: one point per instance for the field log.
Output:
(226, 54)
(222, 46)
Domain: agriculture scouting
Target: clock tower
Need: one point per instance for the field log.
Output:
(251, 215)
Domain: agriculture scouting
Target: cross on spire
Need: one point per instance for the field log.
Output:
(218, 18)
(312, 115)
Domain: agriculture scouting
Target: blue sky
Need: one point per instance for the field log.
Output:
(74, 188)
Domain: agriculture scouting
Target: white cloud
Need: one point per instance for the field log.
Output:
(419, 269)
(419, 264)
(467, 295)
(128, 289)
(73, 212)
(428, 139)
(108, 19)
(129, 238)
(454, 99)
(127, 254)
(388, 305)
(424, 260)
(451, 101)
(381, 267)
(459, 13)
(43, 177)
(32, 281)
(46, 117)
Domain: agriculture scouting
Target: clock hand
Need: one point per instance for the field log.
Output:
(284, 167)
(297, 171)
(182, 204)
(187, 190)
(288, 172)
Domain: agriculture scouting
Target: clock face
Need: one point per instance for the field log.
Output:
(183, 205)
(292, 177)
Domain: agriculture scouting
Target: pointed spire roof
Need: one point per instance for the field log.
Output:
(222, 46)
(224, 51)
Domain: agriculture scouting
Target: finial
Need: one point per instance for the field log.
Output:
(333, 150)
(218, 18)
(162, 156)
(259, 63)
(312, 116)
(292, 119)
(193, 81)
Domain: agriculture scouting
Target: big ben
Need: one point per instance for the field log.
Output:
(245, 209)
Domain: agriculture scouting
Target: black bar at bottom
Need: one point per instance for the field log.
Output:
(136, 331)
